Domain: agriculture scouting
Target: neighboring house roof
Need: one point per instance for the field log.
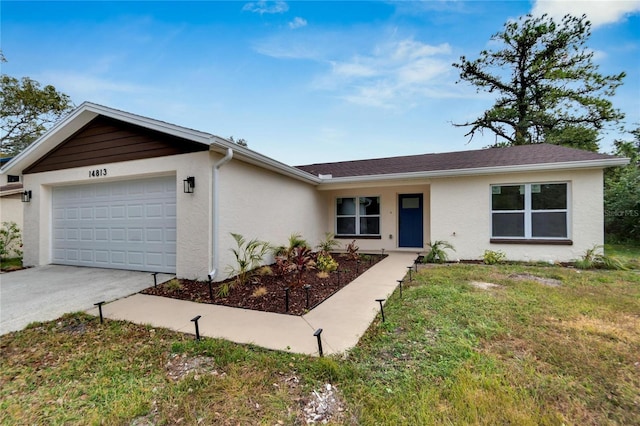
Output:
(10, 189)
(491, 160)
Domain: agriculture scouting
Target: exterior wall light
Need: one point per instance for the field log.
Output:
(26, 196)
(189, 184)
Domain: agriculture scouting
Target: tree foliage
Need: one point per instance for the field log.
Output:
(240, 141)
(547, 85)
(26, 111)
(622, 194)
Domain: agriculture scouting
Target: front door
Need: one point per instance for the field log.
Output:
(410, 220)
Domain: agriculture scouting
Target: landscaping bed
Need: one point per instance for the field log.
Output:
(267, 293)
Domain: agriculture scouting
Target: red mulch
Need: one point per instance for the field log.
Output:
(274, 300)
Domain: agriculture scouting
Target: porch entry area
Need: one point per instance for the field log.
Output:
(410, 220)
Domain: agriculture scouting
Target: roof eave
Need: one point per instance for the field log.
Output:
(589, 164)
(220, 145)
(81, 116)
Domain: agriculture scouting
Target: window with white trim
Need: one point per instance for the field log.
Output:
(530, 211)
(358, 216)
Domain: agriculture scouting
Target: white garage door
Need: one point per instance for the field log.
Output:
(121, 225)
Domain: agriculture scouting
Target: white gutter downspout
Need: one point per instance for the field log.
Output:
(214, 212)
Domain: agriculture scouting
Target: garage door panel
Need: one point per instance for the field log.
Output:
(124, 225)
(86, 255)
(102, 256)
(118, 212)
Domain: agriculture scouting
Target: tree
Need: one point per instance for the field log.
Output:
(622, 194)
(26, 110)
(546, 84)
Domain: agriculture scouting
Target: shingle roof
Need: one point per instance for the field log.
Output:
(490, 157)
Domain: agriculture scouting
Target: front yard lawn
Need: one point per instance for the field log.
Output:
(466, 344)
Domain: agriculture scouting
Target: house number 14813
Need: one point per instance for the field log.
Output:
(97, 172)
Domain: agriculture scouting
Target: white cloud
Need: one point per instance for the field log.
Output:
(86, 87)
(297, 23)
(264, 6)
(599, 12)
(396, 75)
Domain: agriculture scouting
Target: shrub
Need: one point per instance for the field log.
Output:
(352, 250)
(259, 292)
(491, 257)
(173, 285)
(594, 258)
(437, 253)
(10, 240)
(302, 260)
(295, 240)
(265, 271)
(326, 263)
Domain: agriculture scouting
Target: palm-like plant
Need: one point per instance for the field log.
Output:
(248, 255)
(437, 253)
(327, 245)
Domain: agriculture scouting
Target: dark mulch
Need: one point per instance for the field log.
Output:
(274, 300)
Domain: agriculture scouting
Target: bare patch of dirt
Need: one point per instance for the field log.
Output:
(485, 286)
(181, 365)
(267, 292)
(551, 282)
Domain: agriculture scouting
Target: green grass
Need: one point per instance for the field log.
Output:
(13, 263)
(629, 254)
(448, 353)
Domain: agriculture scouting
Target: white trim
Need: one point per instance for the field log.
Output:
(356, 216)
(252, 157)
(477, 171)
(528, 210)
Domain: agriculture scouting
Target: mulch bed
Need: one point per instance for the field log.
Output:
(274, 297)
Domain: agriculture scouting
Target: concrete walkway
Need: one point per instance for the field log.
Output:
(344, 317)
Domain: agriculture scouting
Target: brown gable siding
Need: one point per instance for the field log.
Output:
(105, 140)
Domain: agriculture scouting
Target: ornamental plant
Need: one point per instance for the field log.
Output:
(328, 245)
(302, 260)
(491, 257)
(248, 256)
(594, 258)
(352, 250)
(326, 263)
(10, 240)
(437, 253)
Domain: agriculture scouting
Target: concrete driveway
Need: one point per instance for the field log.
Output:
(47, 292)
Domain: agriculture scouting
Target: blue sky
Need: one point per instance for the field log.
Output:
(301, 81)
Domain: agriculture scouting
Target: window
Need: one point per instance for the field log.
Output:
(529, 211)
(358, 216)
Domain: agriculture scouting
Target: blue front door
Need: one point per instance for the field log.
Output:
(410, 220)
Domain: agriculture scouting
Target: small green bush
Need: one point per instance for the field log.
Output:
(491, 257)
(10, 240)
(173, 285)
(326, 263)
(594, 258)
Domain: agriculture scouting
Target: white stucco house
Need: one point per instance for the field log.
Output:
(107, 188)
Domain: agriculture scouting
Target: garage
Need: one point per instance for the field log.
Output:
(121, 224)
